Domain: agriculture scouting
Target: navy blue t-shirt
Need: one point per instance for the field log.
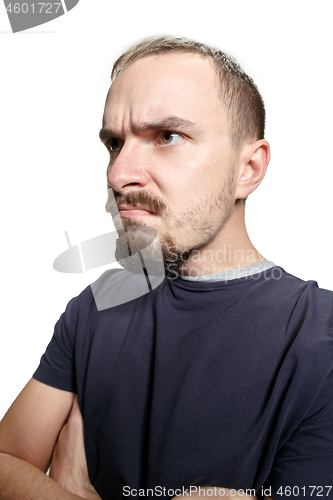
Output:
(225, 384)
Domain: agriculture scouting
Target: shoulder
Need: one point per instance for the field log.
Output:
(119, 286)
(285, 289)
(112, 288)
(309, 327)
(311, 305)
(298, 316)
(116, 290)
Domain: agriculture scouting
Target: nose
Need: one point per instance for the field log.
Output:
(128, 169)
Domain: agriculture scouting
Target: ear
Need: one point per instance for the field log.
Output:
(254, 160)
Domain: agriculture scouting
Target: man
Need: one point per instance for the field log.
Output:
(221, 376)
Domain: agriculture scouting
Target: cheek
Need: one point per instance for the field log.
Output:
(207, 174)
(191, 172)
(185, 182)
(176, 172)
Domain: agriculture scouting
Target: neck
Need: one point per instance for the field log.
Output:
(231, 249)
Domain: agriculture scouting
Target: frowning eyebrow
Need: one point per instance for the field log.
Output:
(169, 123)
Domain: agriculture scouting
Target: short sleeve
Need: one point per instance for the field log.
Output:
(303, 467)
(57, 365)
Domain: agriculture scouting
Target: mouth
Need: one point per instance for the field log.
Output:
(133, 211)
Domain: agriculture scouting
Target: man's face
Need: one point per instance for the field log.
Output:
(171, 161)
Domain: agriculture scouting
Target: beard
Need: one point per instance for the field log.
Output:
(141, 247)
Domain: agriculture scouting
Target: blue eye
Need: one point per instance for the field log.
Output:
(170, 137)
(116, 144)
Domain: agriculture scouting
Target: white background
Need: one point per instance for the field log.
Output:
(54, 80)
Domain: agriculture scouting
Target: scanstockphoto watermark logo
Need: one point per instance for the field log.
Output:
(25, 15)
(196, 491)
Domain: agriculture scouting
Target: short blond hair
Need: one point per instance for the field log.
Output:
(239, 94)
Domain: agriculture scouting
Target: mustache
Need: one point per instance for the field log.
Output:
(143, 198)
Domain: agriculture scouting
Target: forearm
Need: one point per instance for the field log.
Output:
(20, 480)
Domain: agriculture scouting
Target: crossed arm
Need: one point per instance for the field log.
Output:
(37, 432)
(28, 435)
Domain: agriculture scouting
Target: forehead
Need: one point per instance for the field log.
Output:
(178, 84)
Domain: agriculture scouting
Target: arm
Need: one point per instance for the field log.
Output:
(28, 434)
(21, 480)
(69, 466)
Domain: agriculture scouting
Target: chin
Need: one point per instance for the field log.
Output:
(137, 248)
